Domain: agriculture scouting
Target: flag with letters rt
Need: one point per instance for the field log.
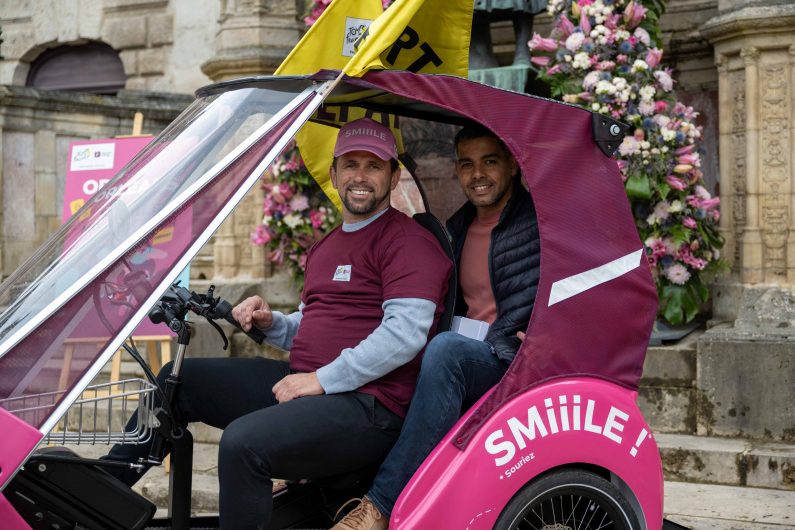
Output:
(428, 36)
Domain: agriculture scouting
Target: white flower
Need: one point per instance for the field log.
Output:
(651, 219)
(668, 135)
(664, 79)
(661, 121)
(629, 146)
(581, 61)
(647, 92)
(677, 273)
(643, 36)
(574, 41)
(646, 108)
(676, 206)
(664, 149)
(590, 80)
(605, 87)
(662, 209)
(292, 220)
(639, 66)
(595, 107)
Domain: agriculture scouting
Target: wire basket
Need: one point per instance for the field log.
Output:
(99, 416)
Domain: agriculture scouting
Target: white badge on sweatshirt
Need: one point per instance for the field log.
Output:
(342, 274)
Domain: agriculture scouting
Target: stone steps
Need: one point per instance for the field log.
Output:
(727, 461)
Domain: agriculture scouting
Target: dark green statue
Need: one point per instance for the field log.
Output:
(520, 12)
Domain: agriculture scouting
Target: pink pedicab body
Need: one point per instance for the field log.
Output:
(589, 330)
(569, 422)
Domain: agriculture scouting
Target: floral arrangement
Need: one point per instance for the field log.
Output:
(297, 213)
(604, 55)
(316, 8)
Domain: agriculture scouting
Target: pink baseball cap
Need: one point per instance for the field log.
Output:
(366, 135)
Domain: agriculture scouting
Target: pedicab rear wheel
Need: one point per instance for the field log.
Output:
(568, 499)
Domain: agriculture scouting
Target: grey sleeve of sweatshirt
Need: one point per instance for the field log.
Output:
(401, 335)
(284, 328)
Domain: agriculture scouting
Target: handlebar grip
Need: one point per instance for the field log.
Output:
(224, 310)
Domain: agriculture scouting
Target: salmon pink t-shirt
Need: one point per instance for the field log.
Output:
(349, 275)
(473, 272)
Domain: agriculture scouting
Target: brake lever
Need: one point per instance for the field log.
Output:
(220, 331)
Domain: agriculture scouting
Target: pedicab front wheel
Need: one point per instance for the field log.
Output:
(568, 499)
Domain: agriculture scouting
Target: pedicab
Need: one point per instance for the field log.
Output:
(559, 443)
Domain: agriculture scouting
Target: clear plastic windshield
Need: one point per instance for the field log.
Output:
(71, 299)
(202, 138)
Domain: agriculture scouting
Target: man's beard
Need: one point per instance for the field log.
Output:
(363, 208)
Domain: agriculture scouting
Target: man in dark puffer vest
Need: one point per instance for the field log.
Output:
(497, 251)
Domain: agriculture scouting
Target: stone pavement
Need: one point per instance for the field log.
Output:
(697, 506)
(714, 507)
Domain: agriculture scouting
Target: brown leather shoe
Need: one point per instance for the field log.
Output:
(364, 517)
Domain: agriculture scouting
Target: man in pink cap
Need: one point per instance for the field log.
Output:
(373, 293)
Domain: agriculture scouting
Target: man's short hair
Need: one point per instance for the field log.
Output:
(474, 131)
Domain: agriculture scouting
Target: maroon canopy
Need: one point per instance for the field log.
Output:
(596, 300)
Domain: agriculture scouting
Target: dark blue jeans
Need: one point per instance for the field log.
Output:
(456, 372)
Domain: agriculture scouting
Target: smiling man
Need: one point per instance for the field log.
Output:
(497, 250)
(373, 292)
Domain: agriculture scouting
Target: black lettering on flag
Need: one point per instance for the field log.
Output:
(412, 38)
(429, 56)
(408, 40)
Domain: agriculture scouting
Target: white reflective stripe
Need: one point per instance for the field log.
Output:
(574, 285)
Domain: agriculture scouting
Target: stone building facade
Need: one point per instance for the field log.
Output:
(733, 61)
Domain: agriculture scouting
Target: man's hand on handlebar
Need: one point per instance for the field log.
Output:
(253, 311)
(297, 385)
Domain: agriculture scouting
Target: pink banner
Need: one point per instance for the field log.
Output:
(92, 164)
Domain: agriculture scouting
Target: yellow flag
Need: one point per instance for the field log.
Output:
(330, 41)
(429, 36)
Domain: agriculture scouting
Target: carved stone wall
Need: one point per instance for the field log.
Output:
(755, 55)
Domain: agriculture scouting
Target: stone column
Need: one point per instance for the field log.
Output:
(755, 54)
(253, 39)
(746, 371)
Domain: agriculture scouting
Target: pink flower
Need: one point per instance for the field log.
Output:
(262, 235)
(660, 106)
(316, 218)
(634, 14)
(542, 60)
(688, 159)
(612, 21)
(675, 182)
(554, 70)
(585, 24)
(677, 274)
(299, 203)
(621, 58)
(542, 44)
(285, 190)
(685, 150)
(606, 66)
(653, 57)
(565, 26)
(689, 222)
